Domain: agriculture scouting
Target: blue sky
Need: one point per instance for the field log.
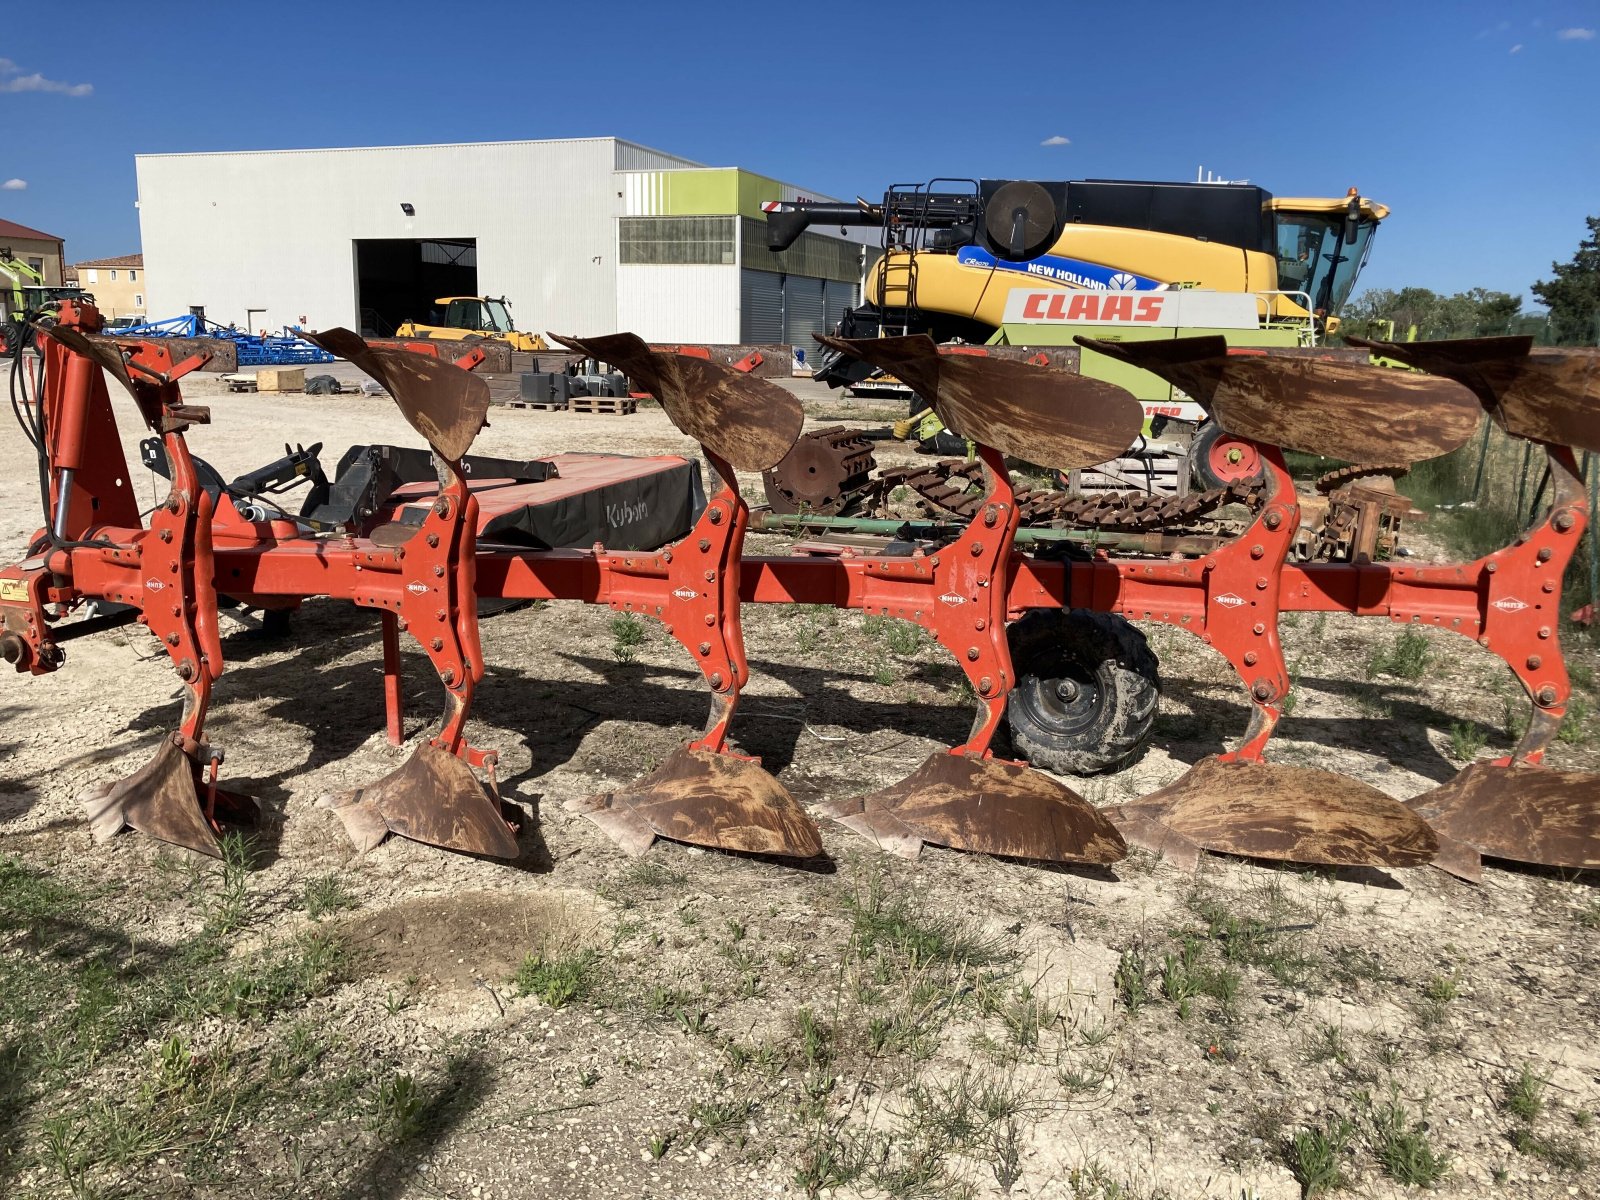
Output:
(1477, 123)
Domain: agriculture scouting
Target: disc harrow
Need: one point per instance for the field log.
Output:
(427, 578)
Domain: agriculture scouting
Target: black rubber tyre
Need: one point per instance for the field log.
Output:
(1201, 468)
(1086, 694)
(1200, 457)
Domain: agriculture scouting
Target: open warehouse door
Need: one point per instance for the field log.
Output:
(402, 279)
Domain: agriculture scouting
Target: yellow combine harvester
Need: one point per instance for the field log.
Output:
(475, 317)
(959, 256)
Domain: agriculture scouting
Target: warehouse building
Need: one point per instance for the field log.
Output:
(584, 235)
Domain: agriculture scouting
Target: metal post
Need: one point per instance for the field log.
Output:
(1483, 455)
(1522, 482)
(1593, 476)
(393, 697)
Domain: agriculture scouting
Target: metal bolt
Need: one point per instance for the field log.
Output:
(977, 549)
(935, 561)
(1257, 551)
(1544, 631)
(1250, 658)
(1261, 584)
(1273, 519)
(711, 618)
(1491, 567)
(186, 670)
(990, 516)
(1067, 690)
(716, 680)
(1546, 695)
(1261, 690)
(1563, 521)
(438, 572)
(442, 506)
(972, 654)
(1549, 585)
(1544, 554)
(985, 686)
(705, 647)
(711, 576)
(437, 643)
(172, 639)
(981, 624)
(1259, 628)
(1533, 662)
(433, 539)
(716, 516)
(705, 544)
(166, 535)
(448, 675)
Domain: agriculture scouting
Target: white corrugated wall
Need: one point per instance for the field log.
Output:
(679, 303)
(275, 229)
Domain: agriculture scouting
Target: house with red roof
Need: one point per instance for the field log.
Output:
(42, 252)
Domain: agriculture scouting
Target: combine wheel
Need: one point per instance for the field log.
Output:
(1087, 687)
(1216, 459)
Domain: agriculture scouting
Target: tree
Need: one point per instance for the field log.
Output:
(1475, 313)
(1573, 296)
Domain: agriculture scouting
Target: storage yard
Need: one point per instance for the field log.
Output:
(682, 603)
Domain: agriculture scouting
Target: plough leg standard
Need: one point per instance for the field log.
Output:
(426, 579)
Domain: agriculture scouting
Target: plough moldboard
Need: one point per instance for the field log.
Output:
(427, 575)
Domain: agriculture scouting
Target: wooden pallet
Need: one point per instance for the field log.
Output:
(615, 406)
(240, 383)
(538, 405)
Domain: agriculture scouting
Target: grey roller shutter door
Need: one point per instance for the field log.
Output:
(802, 315)
(837, 300)
(760, 307)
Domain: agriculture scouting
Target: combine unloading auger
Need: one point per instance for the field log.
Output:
(965, 798)
(705, 793)
(434, 797)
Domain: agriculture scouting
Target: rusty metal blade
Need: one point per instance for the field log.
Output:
(161, 799)
(1044, 415)
(101, 350)
(444, 403)
(1522, 813)
(1546, 395)
(1347, 410)
(1296, 814)
(705, 799)
(986, 806)
(433, 798)
(747, 421)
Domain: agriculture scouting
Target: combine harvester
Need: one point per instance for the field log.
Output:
(419, 555)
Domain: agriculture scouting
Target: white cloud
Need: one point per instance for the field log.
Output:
(1058, 140)
(1517, 49)
(14, 185)
(1576, 35)
(13, 80)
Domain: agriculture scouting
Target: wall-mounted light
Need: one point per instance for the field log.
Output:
(408, 210)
